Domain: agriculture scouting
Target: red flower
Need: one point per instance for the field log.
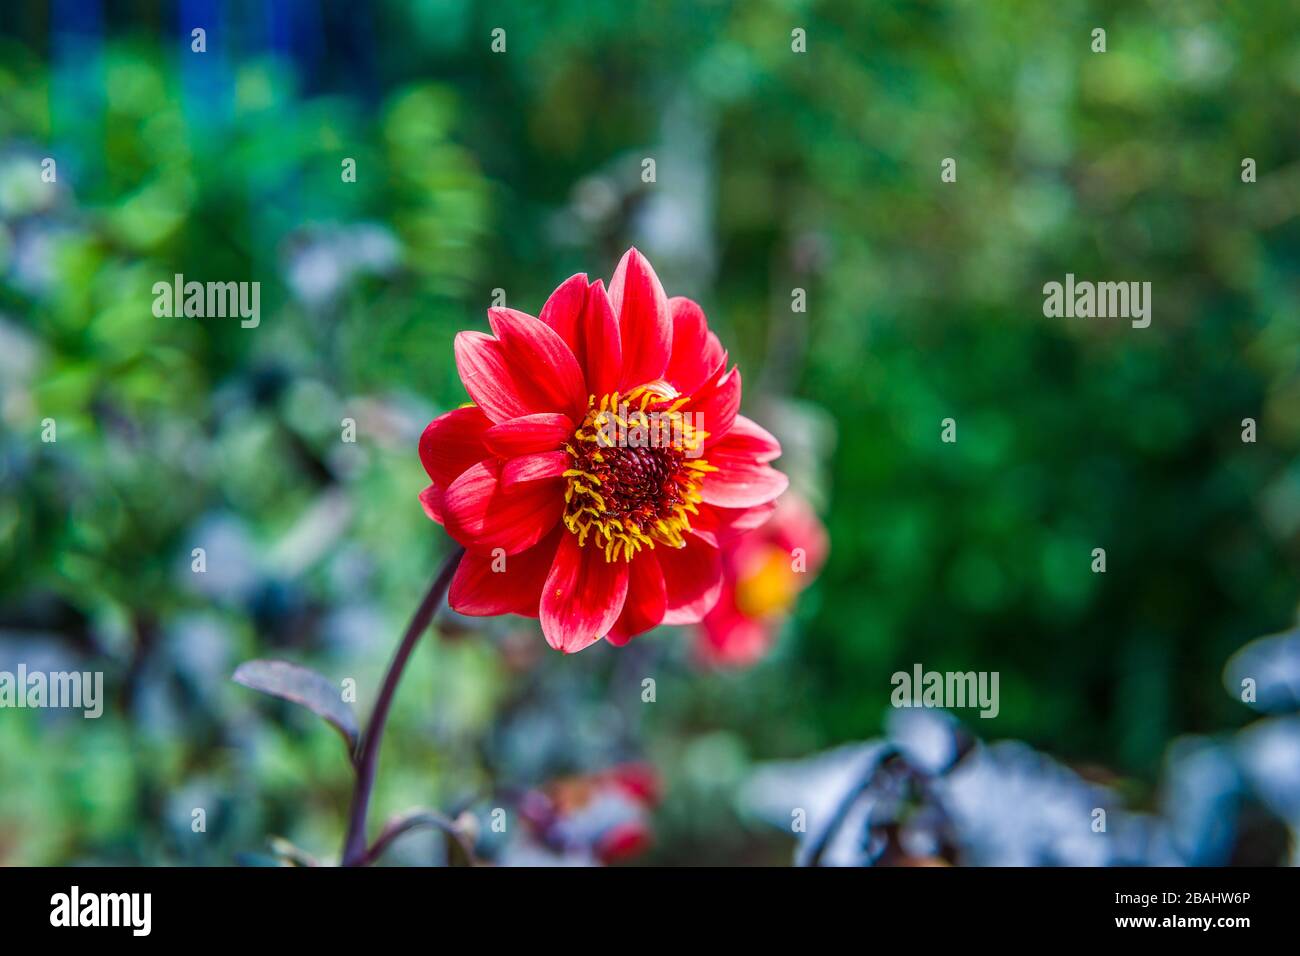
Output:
(762, 574)
(605, 815)
(600, 464)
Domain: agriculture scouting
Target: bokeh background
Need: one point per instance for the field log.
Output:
(775, 170)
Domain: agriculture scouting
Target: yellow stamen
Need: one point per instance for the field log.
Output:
(649, 479)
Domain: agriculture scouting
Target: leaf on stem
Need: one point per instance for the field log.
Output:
(301, 686)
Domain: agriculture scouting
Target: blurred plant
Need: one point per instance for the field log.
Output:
(600, 818)
(242, 430)
(302, 686)
(931, 793)
(1265, 675)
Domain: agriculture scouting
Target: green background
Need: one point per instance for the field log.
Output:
(774, 171)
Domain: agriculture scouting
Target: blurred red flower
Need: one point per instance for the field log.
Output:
(601, 465)
(762, 574)
(605, 815)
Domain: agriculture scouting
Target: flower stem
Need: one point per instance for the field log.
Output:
(354, 846)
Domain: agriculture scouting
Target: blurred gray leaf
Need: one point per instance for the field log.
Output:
(301, 686)
(1269, 755)
(1273, 663)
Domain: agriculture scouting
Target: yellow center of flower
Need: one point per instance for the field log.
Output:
(635, 477)
(768, 585)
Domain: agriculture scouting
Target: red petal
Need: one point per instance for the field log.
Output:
(452, 442)
(717, 404)
(692, 580)
(730, 639)
(482, 515)
(623, 841)
(481, 362)
(582, 597)
(431, 499)
(637, 779)
(746, 441)
(563, 309)
(719, 525)
(480, 589)
(742, 485)
(602, 344)
(544, 464)
(796, 525)
(643, 322)
(541, 363)
(545, 431)
(646, 600)
(697, 354)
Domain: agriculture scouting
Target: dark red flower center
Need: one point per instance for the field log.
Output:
(636, 472)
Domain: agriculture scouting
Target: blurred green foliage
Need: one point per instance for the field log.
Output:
(775, 170)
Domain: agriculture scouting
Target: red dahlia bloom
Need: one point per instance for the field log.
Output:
(601, 464)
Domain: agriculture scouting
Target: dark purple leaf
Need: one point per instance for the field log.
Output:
(301, 686)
